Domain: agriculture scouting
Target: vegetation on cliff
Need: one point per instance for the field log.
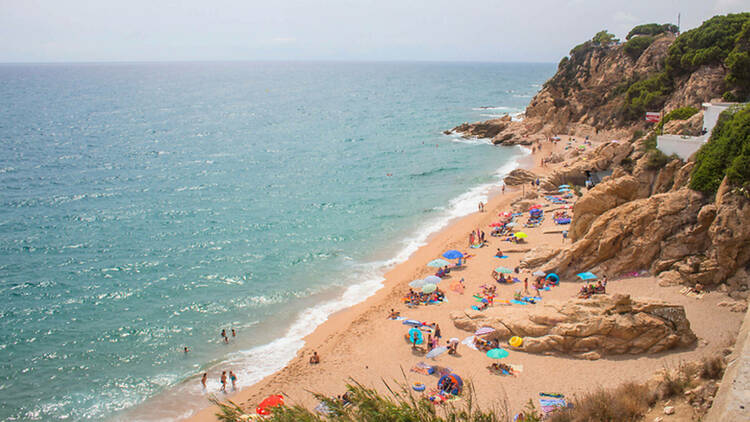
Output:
(652, 29)
(682, 113)
(721, 40)
(636, 46)
(726, 154)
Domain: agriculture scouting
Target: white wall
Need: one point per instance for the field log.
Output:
(711, 114)
(683, 146)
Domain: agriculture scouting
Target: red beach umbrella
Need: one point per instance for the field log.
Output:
(264, 408)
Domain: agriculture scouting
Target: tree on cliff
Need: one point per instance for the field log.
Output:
(652, 29)
(604, 38)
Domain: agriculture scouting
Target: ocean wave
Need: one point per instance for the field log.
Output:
(492, 108)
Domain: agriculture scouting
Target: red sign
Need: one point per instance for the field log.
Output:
(652, 116)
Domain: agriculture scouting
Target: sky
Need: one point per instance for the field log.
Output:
(351, 30)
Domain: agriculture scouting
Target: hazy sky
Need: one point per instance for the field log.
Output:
(446, 30)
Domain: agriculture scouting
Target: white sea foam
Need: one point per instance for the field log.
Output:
(492, 108)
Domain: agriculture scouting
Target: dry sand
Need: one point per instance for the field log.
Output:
(360, 343)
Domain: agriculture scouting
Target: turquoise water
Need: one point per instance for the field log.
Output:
(144, 207)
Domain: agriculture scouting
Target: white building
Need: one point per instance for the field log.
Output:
(685, 146)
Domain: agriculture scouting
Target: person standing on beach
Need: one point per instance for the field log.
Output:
(233, 333)
(233, 378)
(224, 381)
(204, 378)
(224, 335)
(503, 188)
(438, 334)
(526, 285)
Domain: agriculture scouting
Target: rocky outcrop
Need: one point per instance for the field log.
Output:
(602, 198)
(702, 85)
(487, 129)
(588, 328)
(690, 127)
(538, 256)
(635, 235)
(603, 157)
(519, 177)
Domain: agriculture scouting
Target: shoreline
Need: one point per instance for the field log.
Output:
(359, 343)
(376, 285)
(391, 278)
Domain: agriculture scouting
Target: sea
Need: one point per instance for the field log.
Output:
(144, 207)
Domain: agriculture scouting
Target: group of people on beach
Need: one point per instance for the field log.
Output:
(222, 380)
(225, 337)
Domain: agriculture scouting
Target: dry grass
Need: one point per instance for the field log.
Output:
(628, 402)
(712, 368)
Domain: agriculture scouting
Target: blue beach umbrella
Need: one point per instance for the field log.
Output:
(438, 263)
(453, 254)
(587, 276)
(563, 186)
(433, 279)
(552, 276)
(563, 190)
(497, 353)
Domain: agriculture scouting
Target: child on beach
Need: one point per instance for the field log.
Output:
(224, 381)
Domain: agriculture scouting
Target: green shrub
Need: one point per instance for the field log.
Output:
(636, 135)
(636, 46)
(652, 29)
(646, 95)
(738, 66)
(708, 44)
(727, 153)
(657, 159)
(681, 113)
(649, 143)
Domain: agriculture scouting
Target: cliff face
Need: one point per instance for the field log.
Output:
(587, 94)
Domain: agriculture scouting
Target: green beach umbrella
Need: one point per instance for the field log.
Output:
(438, 263)
(503, 270)
(497, 353)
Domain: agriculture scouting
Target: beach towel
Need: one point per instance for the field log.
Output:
(469, 341)
(501, 257)
(519, 302)
(550, 405)
(323, 409)
(476, 246)
(555, 395)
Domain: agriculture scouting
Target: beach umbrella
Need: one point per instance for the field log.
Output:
(418, 283)
(564, 190)
(586, 276)
(454, 340)
(483, 330)
(438, 263)
(538, 274)
(553, 277)
(264, 408)
(415, 336)
(432, 279)
(563, 186)
(511, 224)
(521, 235)
(429, 288)
(413, 322)
(503, 270)
(497, 353)
(453, 254)
(497, 225)
(436, 352)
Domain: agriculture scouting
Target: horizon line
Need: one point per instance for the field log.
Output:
(3, 63)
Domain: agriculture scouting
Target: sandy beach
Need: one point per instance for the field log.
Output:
(362, 344)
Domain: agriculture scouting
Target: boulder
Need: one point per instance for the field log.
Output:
(519, 177)
(588, 328)
(538, 256)
(691, 126)
(486, 129)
